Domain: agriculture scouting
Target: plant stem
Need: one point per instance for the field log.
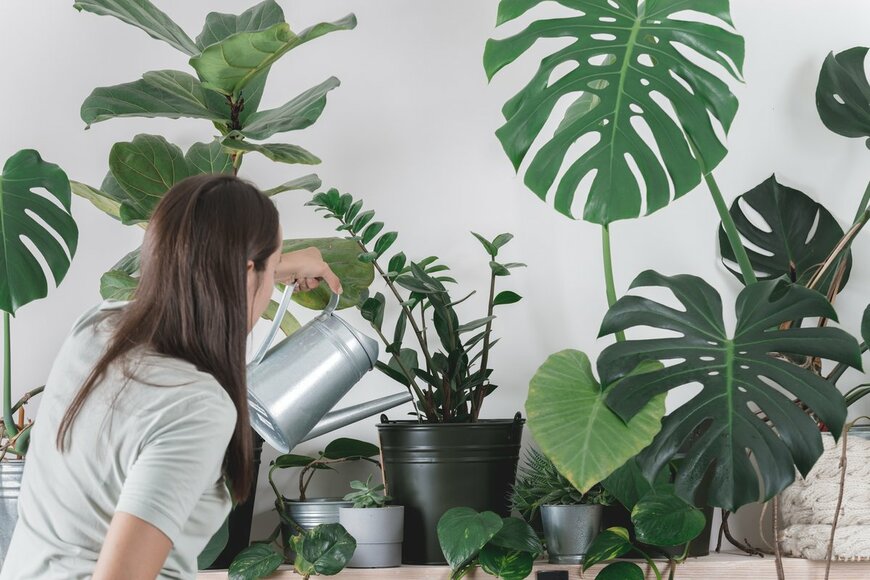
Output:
(610, 286)
(727, 221)
(237, 161)
(479, 392)
(780, 573)
(279, 499)
(26, 397)
(8, 421)
(865, 201)
(841, 490)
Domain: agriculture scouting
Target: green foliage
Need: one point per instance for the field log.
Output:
(622, 56)
(454, 387)
(736, 373)
(503, 547)
(256, 561)
(324, 550)
(540, 483)
(365, 495)
(215, 546)
(843, 93)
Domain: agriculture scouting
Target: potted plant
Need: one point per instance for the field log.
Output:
(570, 519)
(377, 527)
(227, 97)
(446, 456)
(54, 238)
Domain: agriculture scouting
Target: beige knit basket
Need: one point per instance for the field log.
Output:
(808, 505)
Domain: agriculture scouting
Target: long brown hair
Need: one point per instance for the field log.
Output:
(192, 300)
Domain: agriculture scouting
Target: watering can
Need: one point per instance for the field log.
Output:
(293, 386)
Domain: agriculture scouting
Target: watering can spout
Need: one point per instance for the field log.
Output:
(293, 386)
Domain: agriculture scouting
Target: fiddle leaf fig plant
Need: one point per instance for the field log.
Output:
(34, 207)
(742, 405)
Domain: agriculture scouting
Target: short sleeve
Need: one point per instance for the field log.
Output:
(179, 461)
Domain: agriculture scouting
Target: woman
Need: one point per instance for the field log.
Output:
(143, 426)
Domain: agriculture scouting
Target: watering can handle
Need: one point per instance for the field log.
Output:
(279, 315)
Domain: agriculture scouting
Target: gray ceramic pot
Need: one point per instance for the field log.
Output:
(10, 485)
(569, 530)
(378, 534)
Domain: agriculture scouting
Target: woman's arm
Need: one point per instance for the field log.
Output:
(133, 550)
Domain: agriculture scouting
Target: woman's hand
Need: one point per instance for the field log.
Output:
(307, 268)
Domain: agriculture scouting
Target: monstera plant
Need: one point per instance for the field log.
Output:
(44, 222)
(230, 61)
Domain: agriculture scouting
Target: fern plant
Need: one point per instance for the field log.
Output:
(540, 483)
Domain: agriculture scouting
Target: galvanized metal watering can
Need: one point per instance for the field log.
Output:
(293, 385)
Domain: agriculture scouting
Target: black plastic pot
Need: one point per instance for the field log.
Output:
(241, 517)
(430, 468)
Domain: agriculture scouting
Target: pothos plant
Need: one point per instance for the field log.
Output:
(631, 71)
(455, 372)
(45, 221)
(230, 61)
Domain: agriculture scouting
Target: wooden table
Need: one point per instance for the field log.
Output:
(725, 566)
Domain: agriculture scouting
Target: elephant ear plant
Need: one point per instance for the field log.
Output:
(230, 61)
(36, 226)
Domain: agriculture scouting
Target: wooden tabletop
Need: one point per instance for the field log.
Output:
(714, 567)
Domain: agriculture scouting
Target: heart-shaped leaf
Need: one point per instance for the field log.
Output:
(573, 426)
(661, 518)
(506, 564)
(609, 544)
(143, 15)
(22, 279)
(843, 93)
(347, 448)
(719, 424)
(621, 571)
(462, 533)
(215, 546)
(518, 536)
(298, 113)
(208, 158)
(145, 169)
(324, 550)
(255, 561)
(628, 69)
(165, 93)
(628, 484)
(796, 238)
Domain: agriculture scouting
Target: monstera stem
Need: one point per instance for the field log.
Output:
(865, 202)
(610, 286)
(8, 421)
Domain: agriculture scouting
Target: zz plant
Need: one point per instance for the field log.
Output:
(454, 373)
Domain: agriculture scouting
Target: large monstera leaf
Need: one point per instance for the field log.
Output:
(744, 412)
(843, 93)
(797, 237)
(44, 219)
(627, 63)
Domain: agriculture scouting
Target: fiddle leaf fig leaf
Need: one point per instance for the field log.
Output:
(843, 93)
(308, 182)
(298, 113)
(54, 237)
(102, 200)
(218, 26)
(281, 152)
(341, 255)
(718, 429)
(208, 158)
(626, 57)
(143, 15)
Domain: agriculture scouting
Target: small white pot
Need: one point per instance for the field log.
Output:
(378, 533)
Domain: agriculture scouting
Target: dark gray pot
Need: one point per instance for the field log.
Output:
(11, 471)
(569, 530)
(378, 534)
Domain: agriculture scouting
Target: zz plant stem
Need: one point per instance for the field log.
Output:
(610, 286)
(480, 392)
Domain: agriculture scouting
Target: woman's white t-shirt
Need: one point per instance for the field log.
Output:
(153, 449)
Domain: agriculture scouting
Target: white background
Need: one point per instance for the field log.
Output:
(411, 130)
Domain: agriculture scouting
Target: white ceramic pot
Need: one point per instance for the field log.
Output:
(378, 534)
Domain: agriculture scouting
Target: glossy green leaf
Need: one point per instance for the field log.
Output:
(165, 93)
(506, 564)
(341, 255)
(145, 169)
(105, 202)
(345, 447)
(463, 533)
(516, 535)
(628, 484)
(291, 460)
(215, 546)
(115, 285)
(32, 188)
(502, 239)
(621, 571)
(499, 269)
(865, 325)
(373, 310)
(208, 158)
(843, 93)
(384, 242)
(371, 231)
(736, 374)
(307, 182)
(487, 245)
(573, 426)
(298, 113)
(662, 519)
(609, 544)
(229, 65)
(219, 26)
(397, 263)
(506, 297)
(796, 238)
(255, 561)
(281, 152)
(628, 56)
(143, 15)
(324, 550)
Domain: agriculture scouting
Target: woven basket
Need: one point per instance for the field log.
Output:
(808, 505)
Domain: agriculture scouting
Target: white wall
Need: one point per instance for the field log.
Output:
(411, 131)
